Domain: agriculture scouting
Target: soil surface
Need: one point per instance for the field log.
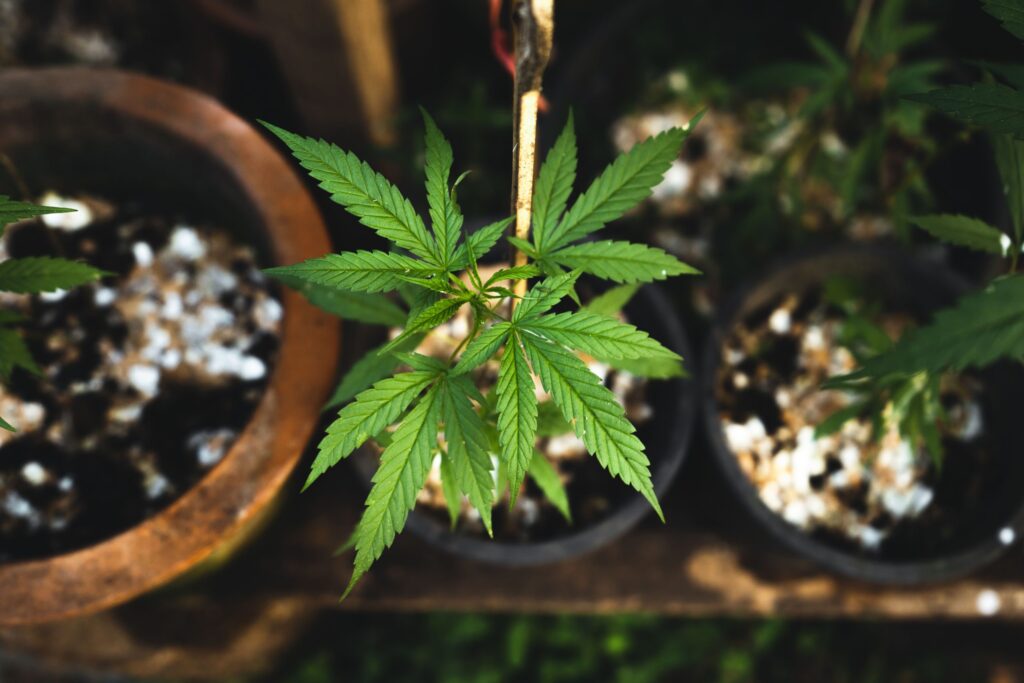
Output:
(146, 378)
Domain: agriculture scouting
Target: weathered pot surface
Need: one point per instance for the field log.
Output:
(119, 135)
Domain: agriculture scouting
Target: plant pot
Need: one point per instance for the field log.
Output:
(976, 502)
(666, 437)
(120, 136)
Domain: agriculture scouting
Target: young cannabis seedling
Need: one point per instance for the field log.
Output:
(436, 271)
(30, 275)
(983, 327)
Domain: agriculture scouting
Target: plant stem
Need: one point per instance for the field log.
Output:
(533, 29)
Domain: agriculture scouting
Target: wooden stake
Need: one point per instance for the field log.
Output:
(533, 25)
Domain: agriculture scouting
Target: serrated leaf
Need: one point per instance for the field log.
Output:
(418, 361)
(1010, 160)
(963, 231)
(14, 354)
(624, 184)
(368, 370)
(517, 413)
(35, 274)
(468, 453)
(597, 418)
(597, 335)
(12, 211)
(480, 243)
(545, 295)
(444, 213)
(554, 183)
(374, 309)
(364, 193)
(452, 497)
(354, 271)
(546, 477)
(437, 313)
(403, 470)
(651, 368)
(515, 273)
(372, 411)
(978, 330)
(992, 106)
(482, 348)
(1010, 14)
(622, 262)
(614, 300)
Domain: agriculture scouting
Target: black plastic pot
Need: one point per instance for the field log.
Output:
(919, 288)
(666, 437)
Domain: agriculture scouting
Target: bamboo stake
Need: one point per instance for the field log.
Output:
(533, 26)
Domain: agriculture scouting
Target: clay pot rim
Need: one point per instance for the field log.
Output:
(899, 573)
(232, 495)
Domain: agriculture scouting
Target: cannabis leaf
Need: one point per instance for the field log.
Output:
(544, 474)
(12, 211)
(403, 470)
(374, 366)
(444, 212)
(597, 335)
(1010, 14)
(621, 261)
(14, 354)
(517, 413)
(554, 184)
(468, 449)
(356, 271)
(36, 274)
(623, 185)
(596, 416)
(372, 411)
(981, 328)
(964, 231)
(990, 105)
(365, 194)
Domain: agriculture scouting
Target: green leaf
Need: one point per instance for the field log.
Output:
(517, 413)
(482, 348)
(622, 262)
(1010, 159)
(363, 192)
(547, 479)
(979, 329)
(44, 274)
(403, 470)
(614, 300)
(1010, 14)
(515, 273)
(963, 231)
(992, 106)
(372, 411)
(826, 52)
(834, 422)
(437, 313)
(368, 370)
(624, 184)
(444, 212)
(651, 368)
(481, 242)
(4, 424)
(1013, 74)
(354, 271)
(550, 421)
(468, 450)
(14, 354)
(597, 418)
(545, 295)
(554, 183)
(597, 335)
(374, 309)
(12, 211)
(452, 497)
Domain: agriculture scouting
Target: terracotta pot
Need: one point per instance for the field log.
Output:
(120, 135)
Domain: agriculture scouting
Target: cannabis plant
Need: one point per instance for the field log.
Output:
(436, 271)
(30, 275)
(982, 327)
